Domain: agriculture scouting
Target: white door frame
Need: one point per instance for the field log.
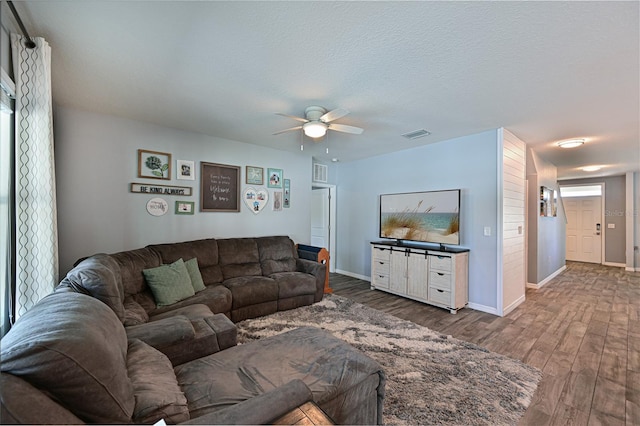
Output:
(332, 222)
(603, 228)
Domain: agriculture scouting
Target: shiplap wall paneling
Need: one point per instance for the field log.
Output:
(513, 221)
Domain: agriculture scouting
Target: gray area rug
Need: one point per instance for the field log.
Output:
(431, 378)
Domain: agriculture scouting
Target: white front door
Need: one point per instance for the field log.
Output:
(320, 223)
(584, 229)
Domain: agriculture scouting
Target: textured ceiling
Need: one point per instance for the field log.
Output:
(544, 70)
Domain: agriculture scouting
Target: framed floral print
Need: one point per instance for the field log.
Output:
(154, 164)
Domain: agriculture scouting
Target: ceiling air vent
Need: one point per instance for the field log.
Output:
(416, 134)
(320, 172)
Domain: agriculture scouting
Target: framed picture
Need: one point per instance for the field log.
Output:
(254, 175)
(275, 178)
(277, 201)
(286, 203)
(219, 188)
(185, 207)
(185, 170)
(154, 164)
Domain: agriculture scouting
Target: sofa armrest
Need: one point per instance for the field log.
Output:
(163, 332)
(261, 409)
(318, 270)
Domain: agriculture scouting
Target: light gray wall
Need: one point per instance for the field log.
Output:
(547, 235)
(96, 160)
(467, 163)
(614, 213)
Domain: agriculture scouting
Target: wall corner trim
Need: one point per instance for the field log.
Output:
(520, 300)
(619, 265)
(546, 280)
(483, 308)
(352, 275)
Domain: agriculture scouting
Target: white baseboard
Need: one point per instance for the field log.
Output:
(546, 280)
(483, 308)
(514, 305)
(352, 275)
(619, 265)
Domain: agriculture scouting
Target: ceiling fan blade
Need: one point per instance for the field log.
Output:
(304, 120)
(346, 129)
(334, 115)
(288, 130)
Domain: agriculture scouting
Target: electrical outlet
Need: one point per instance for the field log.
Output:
(487, 231)
(611, 226)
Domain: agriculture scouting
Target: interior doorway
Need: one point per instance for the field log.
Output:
(584, 232)
(323, 214)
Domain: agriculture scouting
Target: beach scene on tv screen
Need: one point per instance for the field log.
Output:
(421, 216)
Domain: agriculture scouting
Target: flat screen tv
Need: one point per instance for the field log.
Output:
(429, 217)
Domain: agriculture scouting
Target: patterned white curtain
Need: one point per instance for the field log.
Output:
(36, 215)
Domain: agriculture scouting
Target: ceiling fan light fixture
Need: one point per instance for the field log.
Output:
(315, 129)
(571, 143)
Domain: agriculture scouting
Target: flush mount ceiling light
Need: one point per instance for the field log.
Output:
(591, 168)
(315, 129)
(571, 143)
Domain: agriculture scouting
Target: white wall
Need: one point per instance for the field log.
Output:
(96, 160)
(468, 163)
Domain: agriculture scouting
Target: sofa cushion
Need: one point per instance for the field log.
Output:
(194, 274)
(131, 263)
(192, 312)
(169, 283)
(291, 284)
(75, 347)
(99, 277)
(216, 297)
(277, 254)
(248, 291)
(134, 313)
(206, 251)
(329, 366)
(155, 386)
(239, 257)
(163, 332)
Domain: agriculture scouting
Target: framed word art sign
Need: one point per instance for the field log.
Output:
(219, 188)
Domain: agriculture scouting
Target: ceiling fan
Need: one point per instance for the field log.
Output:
(318, 121)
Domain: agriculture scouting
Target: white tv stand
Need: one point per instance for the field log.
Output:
(434, 276)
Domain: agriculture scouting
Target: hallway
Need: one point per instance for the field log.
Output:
(582, 330)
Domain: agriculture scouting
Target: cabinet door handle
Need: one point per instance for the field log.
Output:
(440, 273)
(382, 263)
(440, 291)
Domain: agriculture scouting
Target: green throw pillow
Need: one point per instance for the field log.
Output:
(169, 283)
(194, 273)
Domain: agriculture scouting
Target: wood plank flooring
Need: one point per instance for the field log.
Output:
(582, 330)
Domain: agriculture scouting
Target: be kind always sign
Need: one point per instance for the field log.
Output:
(255, 199)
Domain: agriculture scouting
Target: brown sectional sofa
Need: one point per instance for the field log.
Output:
(99, 350)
